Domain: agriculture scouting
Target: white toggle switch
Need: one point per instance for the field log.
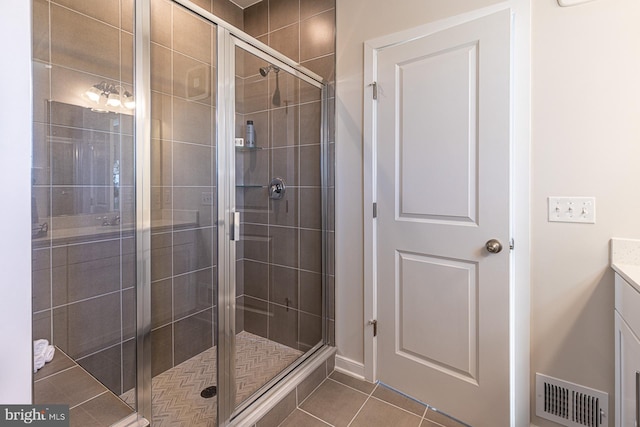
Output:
(572, 209)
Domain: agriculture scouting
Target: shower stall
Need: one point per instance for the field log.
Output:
(181, 228)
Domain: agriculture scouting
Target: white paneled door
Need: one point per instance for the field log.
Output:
(442, 189)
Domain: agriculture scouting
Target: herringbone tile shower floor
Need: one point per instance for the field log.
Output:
(176, 399)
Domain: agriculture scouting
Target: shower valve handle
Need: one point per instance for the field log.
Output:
(277, 188)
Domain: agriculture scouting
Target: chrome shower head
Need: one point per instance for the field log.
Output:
(265, 70)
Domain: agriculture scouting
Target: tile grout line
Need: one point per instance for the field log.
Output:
(88, 400)
(399, 407)
(312, 391)
(424, 414)
(308, 413)
(348, 386)
(361, 407)
(56, 373)
(370, 395)
(359, 410)
(381, 385)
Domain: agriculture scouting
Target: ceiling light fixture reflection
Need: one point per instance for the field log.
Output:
(115, 96)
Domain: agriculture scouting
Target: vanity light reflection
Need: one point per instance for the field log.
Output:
(114, 95)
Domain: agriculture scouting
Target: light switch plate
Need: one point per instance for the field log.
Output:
(572, 209)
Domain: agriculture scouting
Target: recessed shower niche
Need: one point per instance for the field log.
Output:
(168, 251)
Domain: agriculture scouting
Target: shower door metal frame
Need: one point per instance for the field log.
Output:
(228, 37)
(231, 213)
(142, 144)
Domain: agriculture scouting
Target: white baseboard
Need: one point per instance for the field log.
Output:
(350, 367)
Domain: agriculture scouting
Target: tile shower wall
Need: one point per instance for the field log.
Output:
(282, 239)
(83, 272)
(84, 275)
(183, 186)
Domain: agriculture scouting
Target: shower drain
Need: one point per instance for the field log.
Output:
(209, 392)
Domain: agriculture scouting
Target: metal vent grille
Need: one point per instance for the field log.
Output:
(570, 404)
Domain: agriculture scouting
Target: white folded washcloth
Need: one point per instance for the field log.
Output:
(39, 346)
(48, 354)
(42, 353)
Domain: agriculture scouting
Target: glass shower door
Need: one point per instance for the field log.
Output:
(278, 195)
(183, 62)
(83, 209)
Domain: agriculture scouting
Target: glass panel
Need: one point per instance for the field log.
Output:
(184, 232)
(278, 194)
(83, 208)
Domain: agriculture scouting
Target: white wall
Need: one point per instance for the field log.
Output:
(15, 220)
(585, 141)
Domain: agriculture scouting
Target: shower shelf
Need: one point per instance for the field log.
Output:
(250, 186)
(248, 148)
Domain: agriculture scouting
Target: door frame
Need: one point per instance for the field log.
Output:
(520, 192)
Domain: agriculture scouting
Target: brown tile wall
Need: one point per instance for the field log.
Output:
(184, 273)
(83, 273)
(282, 247)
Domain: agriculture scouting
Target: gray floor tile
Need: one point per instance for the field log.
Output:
(334, 403)
(105, 409)
(299, 418)
(363, 386)
(395, 398)
(442, 419)
(377, 413)
(59, 363)
(70, 387)
(280, 412)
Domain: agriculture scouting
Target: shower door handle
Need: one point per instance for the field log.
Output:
(235, 226)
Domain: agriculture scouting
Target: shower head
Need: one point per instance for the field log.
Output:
(265, 70)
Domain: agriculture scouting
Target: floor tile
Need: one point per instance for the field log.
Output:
(279, 412)
(105, 410)
(428, 423)
(363, 386)
(59, 363)
(70, 387)
(334, 403)
(442, 419)
(377, 413)
(299, 418)
(397, 399)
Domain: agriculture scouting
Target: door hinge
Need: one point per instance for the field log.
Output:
(374, 323)
(374, 85)
(375, 210)
(512, 244)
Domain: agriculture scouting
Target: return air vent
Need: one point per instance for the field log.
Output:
(570, 404)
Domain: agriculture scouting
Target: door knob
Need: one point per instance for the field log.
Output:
(494, 246)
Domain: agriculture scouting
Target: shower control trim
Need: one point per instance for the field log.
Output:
(277, 188)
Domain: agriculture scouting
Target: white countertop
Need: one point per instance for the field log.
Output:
(625, 260)
(76, 234)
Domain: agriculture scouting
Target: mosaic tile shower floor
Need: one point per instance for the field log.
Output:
(176, 392)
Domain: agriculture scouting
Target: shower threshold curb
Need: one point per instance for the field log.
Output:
(270, 399)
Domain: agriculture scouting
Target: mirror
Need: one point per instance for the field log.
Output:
(82, 158)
